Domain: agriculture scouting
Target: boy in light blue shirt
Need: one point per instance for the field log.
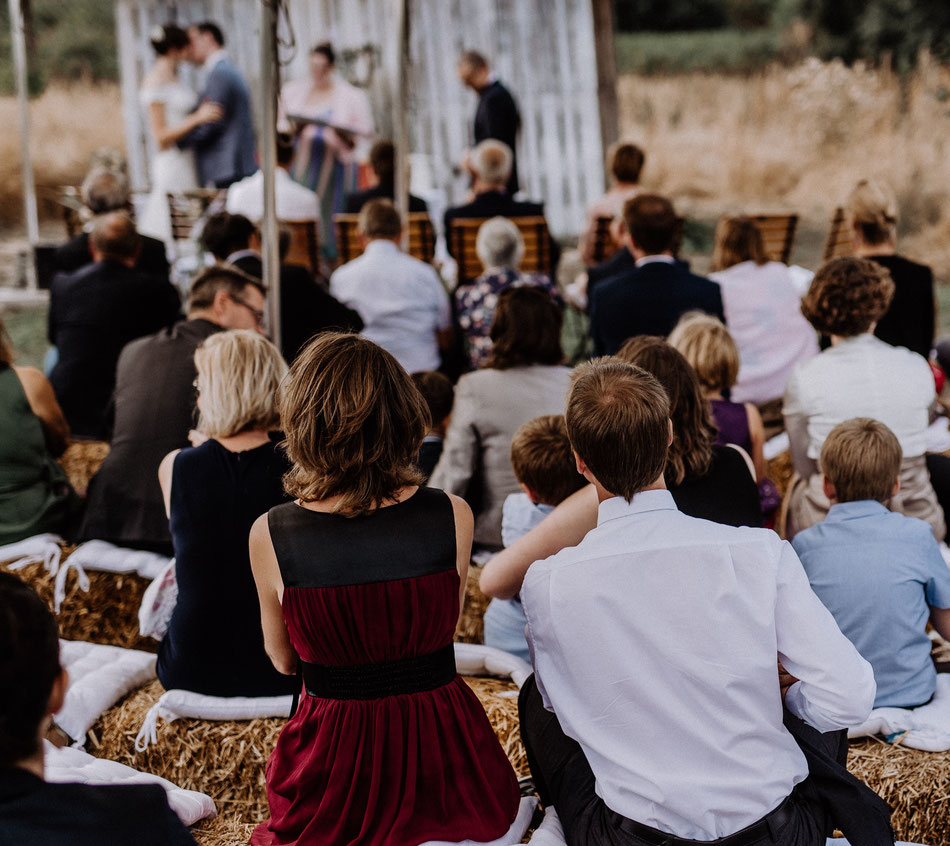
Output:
(879, 573)
(544, 466)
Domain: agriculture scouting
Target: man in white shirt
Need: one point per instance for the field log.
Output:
(654, 643)
(294, 202)
(402, 302)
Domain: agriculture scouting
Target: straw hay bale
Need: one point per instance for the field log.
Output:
(108, 613)
(499, 698)
(915, 784)
(226, 830)
(471, 626)
(780, 471)
(81, 461)
(222, 759)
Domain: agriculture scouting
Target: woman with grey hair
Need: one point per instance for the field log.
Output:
(213, 494)
(500, 249)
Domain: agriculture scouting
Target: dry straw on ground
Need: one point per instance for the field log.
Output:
(81, 461)
(471, 625)
(499, 698)
(108, 613)
(915, 784)
(223, 831)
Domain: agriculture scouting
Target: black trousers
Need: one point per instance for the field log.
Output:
(564, 779)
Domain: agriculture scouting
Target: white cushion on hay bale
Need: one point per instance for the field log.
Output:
(471, 659)
(99, 676)
(514, 835)
(926, 728)
(39, 548)
(76, 766)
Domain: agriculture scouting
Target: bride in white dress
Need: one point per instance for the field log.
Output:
(171, 112)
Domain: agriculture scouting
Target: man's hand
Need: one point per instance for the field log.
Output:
(785, 679)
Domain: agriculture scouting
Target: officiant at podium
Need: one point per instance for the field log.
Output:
(333, 127)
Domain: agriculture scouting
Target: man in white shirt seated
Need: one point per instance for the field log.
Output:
(403, 304)
(654, 643)
(294, 202)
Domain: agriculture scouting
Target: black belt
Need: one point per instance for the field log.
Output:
(374, 681)
(766, 828)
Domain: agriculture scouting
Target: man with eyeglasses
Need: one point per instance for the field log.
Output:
(154, 408)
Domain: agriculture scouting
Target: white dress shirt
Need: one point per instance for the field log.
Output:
(861, 376)
(401, 300)
(654, 641)
(762, 305)
(294, 202)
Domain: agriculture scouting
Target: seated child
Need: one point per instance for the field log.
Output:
(879, 573)
(33, 810)
(437, 391)
(544, 466)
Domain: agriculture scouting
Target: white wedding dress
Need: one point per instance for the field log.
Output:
(172, 169)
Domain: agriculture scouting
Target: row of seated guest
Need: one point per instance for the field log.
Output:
(306, 306)
(35, 495)
(382, 164)
(627, 672)
(154, 402)
(522, 379)
(439, 393)
(500, 249)
(362, 572)
(624, 166)
(401, 299)
(33, 810)
(213, 493)
(103, 191)
(94, 312)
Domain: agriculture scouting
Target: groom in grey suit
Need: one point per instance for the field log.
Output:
(224, 149)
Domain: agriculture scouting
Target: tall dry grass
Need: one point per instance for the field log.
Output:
(68, 124)
(798, 139)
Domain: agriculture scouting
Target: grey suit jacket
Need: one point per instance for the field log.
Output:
(224, 149)
(489, 407)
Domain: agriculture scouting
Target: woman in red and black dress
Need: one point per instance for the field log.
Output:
(360, 582)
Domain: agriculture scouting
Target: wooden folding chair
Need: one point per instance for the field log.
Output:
(838, 242)
(304, 244)
(538, 245)
(185, 209)
(778, 233)
(421, 237)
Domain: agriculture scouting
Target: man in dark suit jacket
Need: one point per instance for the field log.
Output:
(33, 810)
(652, 296)
(497, 114)
(224, 148)
(153, 410)
(104, 191)
(94, 313)
(382, 161)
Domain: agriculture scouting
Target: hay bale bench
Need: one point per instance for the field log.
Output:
(471, 625)
(915, 784)
(81, 461)
(108, 613)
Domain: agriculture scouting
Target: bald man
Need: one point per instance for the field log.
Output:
(97, 310)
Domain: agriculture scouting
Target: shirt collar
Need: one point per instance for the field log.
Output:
(655, 259)
(852, 510)
(213, 59)
(382, 245)
(657, 500)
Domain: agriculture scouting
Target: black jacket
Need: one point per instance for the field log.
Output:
(75, 254)
(497, 117)
(354, 202)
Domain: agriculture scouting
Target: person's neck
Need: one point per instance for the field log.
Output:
(35, 763)
(202, 314)
(486, 187)
(885, 248)
(603, 494)
(714, 395)
(837, 339)
(243, 441)
(166, 67)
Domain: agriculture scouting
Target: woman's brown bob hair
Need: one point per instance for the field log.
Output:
(847, 296)
(526, 329)
(738, 239)
(353, 422)
(691, 453)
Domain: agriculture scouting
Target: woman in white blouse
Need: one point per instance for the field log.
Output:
(858, 376)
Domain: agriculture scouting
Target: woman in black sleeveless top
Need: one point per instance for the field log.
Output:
(213, 493)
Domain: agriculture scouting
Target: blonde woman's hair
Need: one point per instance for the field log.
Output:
(738, 239)
(239, 373)
(872, 208)
(709, 348)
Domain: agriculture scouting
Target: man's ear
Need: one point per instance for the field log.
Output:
(669, 443)
(828, 487)
(220, 302)
(897, 487)
(57, 695)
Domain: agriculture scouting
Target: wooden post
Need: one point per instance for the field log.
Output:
(603, 11)
(18, 38)
(270, 249)
(401, 101)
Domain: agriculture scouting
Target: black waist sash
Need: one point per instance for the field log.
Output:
(374, 681)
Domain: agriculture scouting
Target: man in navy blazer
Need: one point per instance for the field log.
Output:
(224, 149)
(650, 297)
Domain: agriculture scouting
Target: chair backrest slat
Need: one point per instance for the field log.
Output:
(421, 237)
(838, 241)
(538, 245)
